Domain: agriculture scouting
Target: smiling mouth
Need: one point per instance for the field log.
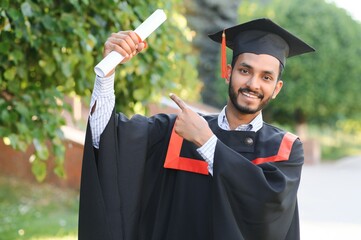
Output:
(250, 94)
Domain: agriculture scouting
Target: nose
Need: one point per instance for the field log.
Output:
(253, 83)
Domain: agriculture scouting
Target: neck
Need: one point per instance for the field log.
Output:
(236, 118)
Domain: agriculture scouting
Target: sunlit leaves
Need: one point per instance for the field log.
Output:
(10, 73)
(48, 50)
(38, 168)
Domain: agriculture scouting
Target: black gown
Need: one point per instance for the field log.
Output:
(146, 183)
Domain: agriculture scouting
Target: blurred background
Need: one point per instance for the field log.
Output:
(48, 50)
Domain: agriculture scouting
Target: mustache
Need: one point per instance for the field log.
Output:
(247, 90)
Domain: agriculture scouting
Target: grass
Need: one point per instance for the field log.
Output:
(37, 211)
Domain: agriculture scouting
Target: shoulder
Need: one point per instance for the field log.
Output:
(162, 118)
(155, 128)
(286, 144)
(272, 130)
(270, 134)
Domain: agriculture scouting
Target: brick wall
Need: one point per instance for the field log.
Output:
(16, 164)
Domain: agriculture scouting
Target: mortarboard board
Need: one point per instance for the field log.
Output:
(260, 36)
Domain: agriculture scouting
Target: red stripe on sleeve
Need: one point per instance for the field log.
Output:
(174, 161)
(283, 152)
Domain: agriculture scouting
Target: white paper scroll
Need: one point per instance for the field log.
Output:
(143, 30)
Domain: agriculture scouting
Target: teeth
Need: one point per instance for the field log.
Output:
(249, 95)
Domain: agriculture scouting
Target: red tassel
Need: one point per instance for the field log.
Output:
(224, 72)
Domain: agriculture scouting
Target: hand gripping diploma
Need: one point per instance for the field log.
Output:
(143, 31)
(126, 43)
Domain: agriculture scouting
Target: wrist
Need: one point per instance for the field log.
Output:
(103, 86)
(203, 138)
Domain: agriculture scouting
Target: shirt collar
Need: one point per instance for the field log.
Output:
(255, 125)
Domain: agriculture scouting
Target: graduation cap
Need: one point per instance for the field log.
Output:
(260, 36)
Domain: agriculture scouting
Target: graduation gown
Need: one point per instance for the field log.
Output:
(145, 182)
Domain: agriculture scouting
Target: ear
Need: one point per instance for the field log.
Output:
(278, 88)
(229, 72)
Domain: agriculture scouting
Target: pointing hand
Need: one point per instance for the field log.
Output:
(189, 125)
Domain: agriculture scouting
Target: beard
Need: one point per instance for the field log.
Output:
(244, 109)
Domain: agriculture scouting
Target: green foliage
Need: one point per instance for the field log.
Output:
(321, 87)
(48, 49)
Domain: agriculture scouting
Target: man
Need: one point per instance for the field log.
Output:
(224, 177)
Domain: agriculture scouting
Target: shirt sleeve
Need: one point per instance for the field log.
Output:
(207, 152)
(103, 96)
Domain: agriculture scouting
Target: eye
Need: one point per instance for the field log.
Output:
(268, 78)
(243, 71)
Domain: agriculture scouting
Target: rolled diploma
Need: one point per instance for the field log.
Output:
(143, 30)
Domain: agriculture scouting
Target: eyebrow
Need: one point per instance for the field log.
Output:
(243, 64)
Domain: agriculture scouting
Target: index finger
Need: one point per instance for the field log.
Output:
(178, 101)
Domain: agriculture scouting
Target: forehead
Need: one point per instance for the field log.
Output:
(261, 62)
